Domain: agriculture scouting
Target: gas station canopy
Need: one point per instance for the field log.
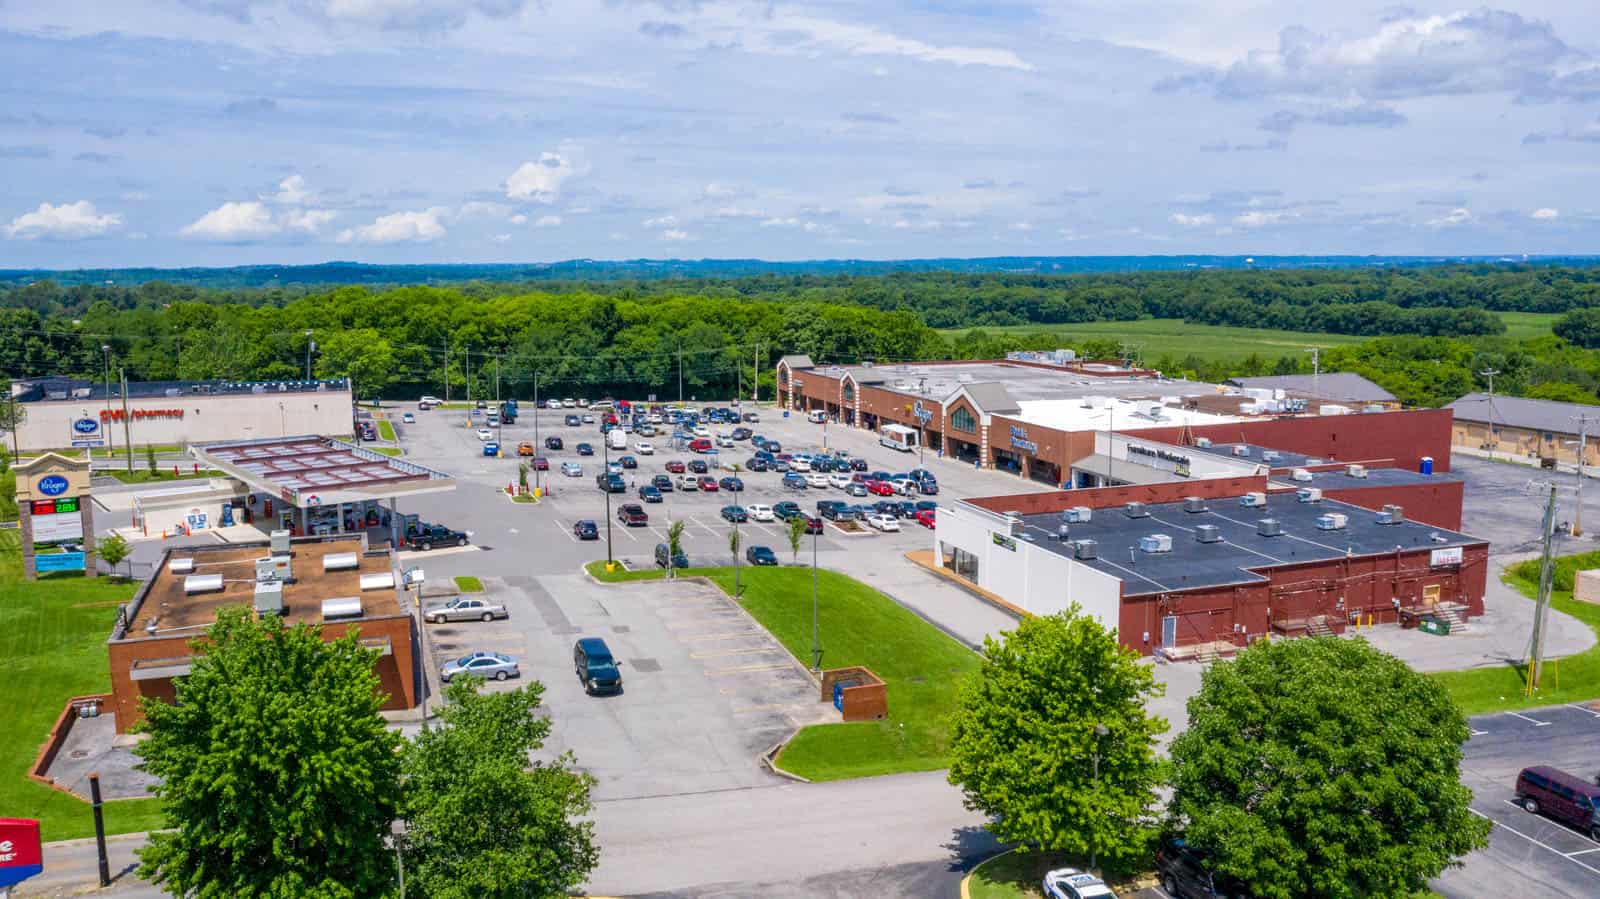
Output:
(307, 472)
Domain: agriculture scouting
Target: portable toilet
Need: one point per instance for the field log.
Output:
(1427, 465)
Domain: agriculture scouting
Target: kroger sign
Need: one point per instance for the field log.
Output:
(53, 485)
(87, 427)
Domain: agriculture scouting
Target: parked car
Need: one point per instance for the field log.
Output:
(586, 530)
(610, 483)
(481, 664)
(860, 511)
(464, 608)
(755, 463)
(723, 440)
(759, 512)
(905, 487)
(735, 514)
(698, 466)
(525, 449)
(841, 481)
(572, 421)
(540, 463)
(588, 419)
(595, 666)
(798, 464)
(881, 522)
(408, 418)
(760, 555)
(700, 445)
(483, 434)
(676, 466)
(627, 462)
(585, 449)
(491, 449)
(707, 484)
(1183, 874)
(740, 434)
(879, 488)
(787, 510)
(813, 524)
(572, 469)
(435, 535)
(794, 481)
(926, 504)
(1070, 883)
(688, 483)
(887, 507)
(650, 494)
(858, 465)
(731, 484)
(662, 483)
(632, 515)
(1565, 797)
(856, 488)
(681, 560)
(819, 481)
(554, 444)
(925, 517)
(832, 509)
(644, 449)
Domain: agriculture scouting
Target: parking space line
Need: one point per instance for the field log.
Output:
(1583, 852)
(1534, 721)
(742, 669)
(1540, 844)
(1584, 708)
(1476, 733)
(567, 531)
(625, 530)
(733, 652)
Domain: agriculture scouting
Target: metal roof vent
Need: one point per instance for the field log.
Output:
(1309, 494)
(341, 561)
(184, 565)
(1136, 510)
(273, 568)
(1300, 474)
(1356, 471)
(1271, 455)
(1269, 527)
(1156, 543)
(1077, 515)
(1194, 504)
(378, 581)
(341, 607)
(1203, 442)
(1208, 533)
(1253, 500)
(269, 598)
(280, 543)
(1085, 549)
(202, 583)
(1333, 521)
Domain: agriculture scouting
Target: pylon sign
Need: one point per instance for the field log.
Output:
(21, 855)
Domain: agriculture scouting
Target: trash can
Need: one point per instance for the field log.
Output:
(1436, 626)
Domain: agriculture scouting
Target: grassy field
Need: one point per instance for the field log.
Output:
(386, 430)
(859, 626)
(1572, 679)
(121, 452)
(1525, 325)
(52, 648)
(387, 450)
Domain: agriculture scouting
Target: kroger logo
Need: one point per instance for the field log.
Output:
(86, 426)
(53, 485)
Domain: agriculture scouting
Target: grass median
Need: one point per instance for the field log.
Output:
(1575, 678)
(52, 648)
(386, 430)
(858, 626)
(146, 476)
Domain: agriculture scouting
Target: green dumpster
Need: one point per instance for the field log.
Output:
(1432, 625)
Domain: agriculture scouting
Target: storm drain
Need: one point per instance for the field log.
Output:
(647, 666)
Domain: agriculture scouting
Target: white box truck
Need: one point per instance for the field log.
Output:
(898, 437)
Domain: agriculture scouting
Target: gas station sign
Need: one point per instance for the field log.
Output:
(21, 855)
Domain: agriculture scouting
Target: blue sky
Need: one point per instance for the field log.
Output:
(221, 132)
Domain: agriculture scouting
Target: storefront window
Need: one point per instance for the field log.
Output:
(849, 392)
(963, 420)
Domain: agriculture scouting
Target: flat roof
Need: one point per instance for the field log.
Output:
(1255, 452)
(1241, 552)
(1115, 413)
(51, 389)
(1023, 382)
(164, 601)
(1376, 477)
(1127, 470)
(313, 471)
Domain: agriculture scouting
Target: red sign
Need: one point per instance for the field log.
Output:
(20, 854)
(138, 414)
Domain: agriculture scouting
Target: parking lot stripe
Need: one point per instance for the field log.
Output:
(1583, 852)
(568, 531)
(1584, 708)
(1534, 721)
(742, 669)
(733, 652)
(1536, 842)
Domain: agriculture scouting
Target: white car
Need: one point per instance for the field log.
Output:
(569, 403)
(583, 404)
(484, 434)
(588, 419)
(572, 469)
(656, 419)
(880, 522)
(816, 479)
(905, 487)
(644, 449)
(724, 440)
(841, 481)
(700, 431)
(759, 512)
(552, 404)
(688, 483)
(1070, 883)
(799, 464)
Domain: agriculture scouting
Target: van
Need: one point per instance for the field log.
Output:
(596, 667)
(700, 445)
(817, 416)
(664, 556)
(1564, 797)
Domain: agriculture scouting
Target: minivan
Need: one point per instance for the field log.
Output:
(1564, 797)
(664, 554)
(596, 668)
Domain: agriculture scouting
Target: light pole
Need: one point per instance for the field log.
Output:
(536, 443)
(1489, 373)
(311, 345)
(106, 349)
(816, 645)
(605, 449)
(1100, 730)
(499, 420)
(397, 831)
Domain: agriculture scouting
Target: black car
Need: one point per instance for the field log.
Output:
(731, 483)
(926, 505)
(662, 483)
(1184, 876)
(860, 512)
(553, 443)
(832, 509)
(627, 462)
(755, 463)
(787, 510)
(664, 557)
(596, 668)
(740, 434)
(858, 465)
(751, 417)
(435, 535)
(761, 555)
(735, 514)
(586, 530)
(889, 507)
(611, 483)
(585, 449)
(650, 494)
(907, 509)
(698, 466)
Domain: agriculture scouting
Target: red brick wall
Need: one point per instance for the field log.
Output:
(1111, 497)
(1404, 436)
(1435, 502)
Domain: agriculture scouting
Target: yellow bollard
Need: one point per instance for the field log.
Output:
(538, 492)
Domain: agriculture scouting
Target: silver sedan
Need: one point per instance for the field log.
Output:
(464, 608)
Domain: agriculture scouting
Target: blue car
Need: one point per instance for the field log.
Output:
(491, 449)
(794, 481)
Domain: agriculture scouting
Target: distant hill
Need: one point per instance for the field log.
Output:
(336, 273)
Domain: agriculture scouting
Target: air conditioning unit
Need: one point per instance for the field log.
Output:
(1155, 543)
(272, 568)
(1085, 549)
(1386, 518)
(1398, 513)
(1271, 455)
(1253, 500)
(1203, 442)
(1136, 510)
(1077, 515)
(1356, 471)
(1333, 521)
(1194, 504)
(1208, 533)
(1300, 474)
(1269, 527)
(280, 543)
(184, 565)
(202, 583)
(341, 561)
(1308, 495)
(269, 598)
(1241, 450)
(341, 607)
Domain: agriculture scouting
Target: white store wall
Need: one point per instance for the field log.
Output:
(242, 416)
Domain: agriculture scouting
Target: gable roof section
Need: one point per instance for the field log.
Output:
(989, 398)
(1337, 386)
(797, 361)
(1521, 412)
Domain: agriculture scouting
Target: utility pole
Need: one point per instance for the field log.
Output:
(1583, 447)
(680, 374)
(499, 421)
(536, 443)
(1541, 608)
(755, 379)
(605, 449)
(816, 643)
(127, 420)
(1316, 372)
(447, 369)
(106, 349)
(1493, 438)
(311, 346)
(469, 377)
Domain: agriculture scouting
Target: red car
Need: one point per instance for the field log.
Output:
(880, 488)
(708, 484)
(925, 518)
(540, 463)
(633, 515)
(700, 445)
(675, 466)
(813, 524)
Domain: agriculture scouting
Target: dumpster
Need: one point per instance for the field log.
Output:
(1431, 625)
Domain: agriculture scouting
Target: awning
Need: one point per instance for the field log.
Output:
(1123, 470)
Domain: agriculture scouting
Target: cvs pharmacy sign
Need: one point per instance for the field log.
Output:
(20, 853)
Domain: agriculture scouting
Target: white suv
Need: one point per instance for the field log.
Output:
(644, 449)
(838, 480)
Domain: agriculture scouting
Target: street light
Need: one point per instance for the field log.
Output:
(106, 349)
(816, 645)
(397, 833)
(1100, 730)
(605, 449)
(310, 346)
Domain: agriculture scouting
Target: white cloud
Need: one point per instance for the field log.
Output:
(541, 180)
(1457, 216)
(716, 191)
(547, 221)
(1192, 221)
(519, 219)
(502, 238)
(68, 221)
(1259, 219)
(481, 208)
(399, 227)
(1022, 226)
(775, 31)
(781, 223)
(1545, 214)
(577, 210)
(308, 221)
(675, 234)
(664, 221)
(291, 192)
(233, 222)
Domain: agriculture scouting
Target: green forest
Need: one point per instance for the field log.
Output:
(1432, 329)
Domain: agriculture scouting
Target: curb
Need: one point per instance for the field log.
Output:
(966, 882)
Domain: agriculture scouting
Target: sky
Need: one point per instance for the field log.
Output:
(228, 132)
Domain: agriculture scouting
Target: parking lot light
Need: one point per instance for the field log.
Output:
(605, 448)
(816, 645)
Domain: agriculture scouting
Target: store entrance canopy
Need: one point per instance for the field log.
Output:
(315, 471)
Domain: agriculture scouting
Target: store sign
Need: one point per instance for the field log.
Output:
(85, 427)
(313, 500)
(922, 414)
(44, 564)
(138, 414)
(52, 485)
(1442, 557)
(1005, 542)
(57, 527)
(196, 520)
(1019, 440)
(21, 855)
(1159, 458)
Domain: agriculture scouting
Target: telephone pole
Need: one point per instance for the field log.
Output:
(1583, 448)
(447, 369)
(680, 374)
(499, 422)
(1316, 372)
(1489, 373)
(127, 420)
(1541, 608)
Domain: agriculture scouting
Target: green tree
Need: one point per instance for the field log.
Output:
(113, 549)
(273, 766)
(674, 546)
(1564, 392)
(364, 356)
(150, 457)
(1580, 326)
(1323, 767)
(482, 821)
(1048, 698)
(795, 530)
(522, 476)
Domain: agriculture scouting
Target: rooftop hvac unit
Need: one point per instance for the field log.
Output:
(82, 393)
(1136, 510)
(1241, 450)
(1386, 518)
(1333, 521)
(1300, 474)
(1308, 495)
(269, 598)
(1313, 460)
(341, 607)
(1373, 407)
(272, 568)
(1271, 455)
(280, 543)
(1085, 549)
(1397, 512)
(1155, 543)
(1077, 515)
(1269, 527)
(1253, 500)
(1194, 504)
(184, 565)
(341, 561)
(1203, 442)
(1333, 409)
(1208, 533)
(1153, 410)
(1356, 471)
(202, 583)
(379, 581)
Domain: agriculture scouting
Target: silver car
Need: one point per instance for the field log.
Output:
(464, 608)
(481, 664)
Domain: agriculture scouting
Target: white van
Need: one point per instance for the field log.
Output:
(619, 438)
(817, 416)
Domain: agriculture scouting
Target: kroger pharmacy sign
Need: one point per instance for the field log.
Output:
(21, 856)
(86, 427)
(53, 485)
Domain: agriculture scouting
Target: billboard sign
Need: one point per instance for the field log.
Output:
(1442, 557)
(48, 562)
(21, 855)
(57, 527)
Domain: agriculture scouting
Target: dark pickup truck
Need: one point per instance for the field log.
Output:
(436, 535)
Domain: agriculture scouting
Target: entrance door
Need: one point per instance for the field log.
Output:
(1430, 594)
(1169, 631)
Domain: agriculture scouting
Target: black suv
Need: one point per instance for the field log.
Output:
(553, 443)
(596, 667)
(833, 509)
(1184, 875)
